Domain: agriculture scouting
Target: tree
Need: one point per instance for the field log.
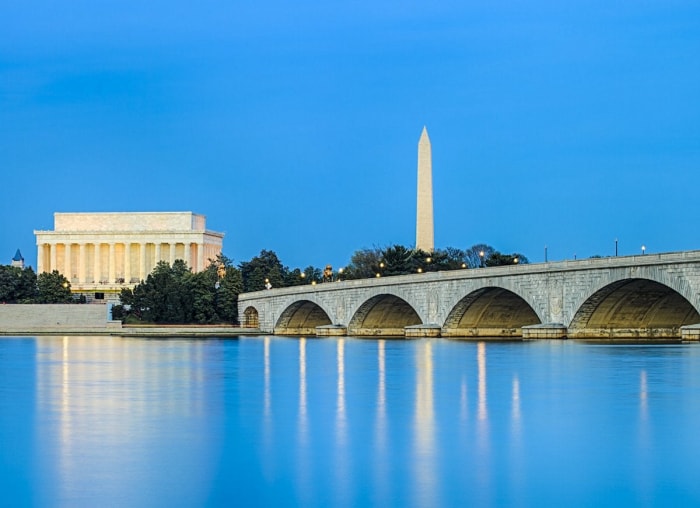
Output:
(451, 259)
(231, 285)
(165, 296)
(364, 264)
(262, 268)
(498, 259)
(53, 288)
(474, 257)
(173, 294)
(400, 260)
(17, 285)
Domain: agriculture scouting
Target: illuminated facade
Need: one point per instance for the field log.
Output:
(103, 252)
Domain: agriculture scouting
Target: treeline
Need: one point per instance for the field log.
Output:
(22, 285)
(267, 269)
(173, 294)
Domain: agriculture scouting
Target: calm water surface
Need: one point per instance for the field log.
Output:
(269, 421)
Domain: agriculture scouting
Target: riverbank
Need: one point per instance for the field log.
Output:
(155, 331)
(92, 319)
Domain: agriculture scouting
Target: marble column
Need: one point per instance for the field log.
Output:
(67, 268)
(52, 257)
(188, 254)
(127, 262)
(200, 257)
(142, 264)
(172, 253)
(98, 263)
(157, 259)
(40, 258)
(112, 263)
(82, 263)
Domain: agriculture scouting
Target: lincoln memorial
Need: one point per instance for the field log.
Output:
(103, 252)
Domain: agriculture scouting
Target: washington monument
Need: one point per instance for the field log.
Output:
(424, 211)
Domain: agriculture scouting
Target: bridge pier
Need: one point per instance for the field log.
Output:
(422, 331)
(545, 331)
(690, 332)
(331, 331)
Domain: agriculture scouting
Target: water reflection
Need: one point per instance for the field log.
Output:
(463, 401)
(645, 475)
(303, 416)
(267, 406)
(483, 445)
(481, 366)
(517, 460)
(643, 396)
(342, 466)
(100, 402)
(426, 472)
(347, 423)
(304, 452)
(267, 433)
(381, 459)
(515, 405)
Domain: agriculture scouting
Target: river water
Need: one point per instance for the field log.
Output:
(271, 421)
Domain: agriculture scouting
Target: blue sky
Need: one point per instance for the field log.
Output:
(293, 126)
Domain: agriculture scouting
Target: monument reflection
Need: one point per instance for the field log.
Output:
(99, 402)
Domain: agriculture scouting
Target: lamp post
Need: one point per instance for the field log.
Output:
(545, 253)
(516, 260)
(615, 247)
(481, 256)
(644, 250)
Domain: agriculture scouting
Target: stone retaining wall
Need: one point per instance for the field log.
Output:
(56, 318)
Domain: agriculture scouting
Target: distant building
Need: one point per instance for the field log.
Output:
(101, 253)
(18, 260)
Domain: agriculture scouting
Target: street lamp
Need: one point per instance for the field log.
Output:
(302, 275)
(615, 247)
(481, 255)
(420, 270)
(644, 249)
(464, 265)
(516, 260)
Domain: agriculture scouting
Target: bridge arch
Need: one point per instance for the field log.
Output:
(634, 308)
(251, 317)
(383, 314)
(301, 317)
(489, 312)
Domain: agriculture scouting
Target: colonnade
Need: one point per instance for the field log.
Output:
(114, 262)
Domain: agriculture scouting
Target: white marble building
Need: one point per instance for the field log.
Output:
(103, 252)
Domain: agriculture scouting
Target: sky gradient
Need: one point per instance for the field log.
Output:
(294, 126)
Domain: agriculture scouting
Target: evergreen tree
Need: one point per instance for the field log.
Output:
(53, 287)
(17, 285)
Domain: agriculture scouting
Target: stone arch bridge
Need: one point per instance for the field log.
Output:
(630, 297)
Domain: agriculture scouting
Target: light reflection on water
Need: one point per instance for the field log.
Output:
(87, 421)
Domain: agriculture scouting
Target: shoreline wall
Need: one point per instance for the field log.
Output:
(60, 318)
